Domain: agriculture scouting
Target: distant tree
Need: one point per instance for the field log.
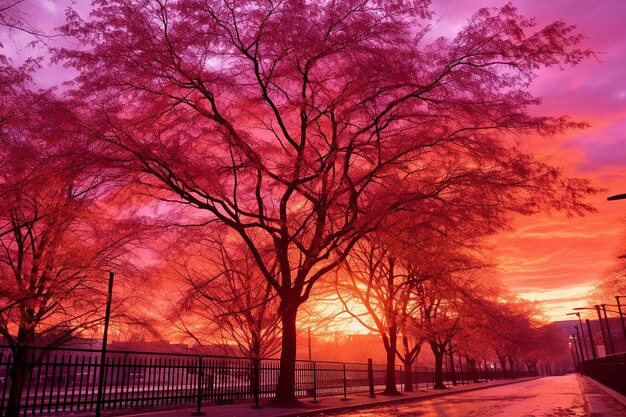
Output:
(303, 125)
(450, 303)
(373, 287)
(224, 298)
(512, 326)
(379, 283)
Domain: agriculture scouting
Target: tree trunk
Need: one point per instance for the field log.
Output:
(285, 390)
(503, 365)
(408, 375)
(18, 376)
(409, 359)
(511, 364)
(452, 370)
(486, 370)
(390, 377)
(471, 363)
(438, 368)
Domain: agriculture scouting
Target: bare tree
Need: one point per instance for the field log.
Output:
(57, 239)
(303, 125)
(224, 299)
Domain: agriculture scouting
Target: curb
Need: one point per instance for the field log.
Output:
(307, 413)
(616, 395)
(601, 400)
(587, 405)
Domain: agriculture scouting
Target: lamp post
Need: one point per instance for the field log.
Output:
(621, 314)
(580, 346)
(593, 346)
(573, 337)
(582, 331)
(597, 308)
(608, 328)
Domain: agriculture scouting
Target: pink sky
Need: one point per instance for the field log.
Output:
(550, 258)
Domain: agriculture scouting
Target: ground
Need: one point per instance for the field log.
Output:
(545, 397)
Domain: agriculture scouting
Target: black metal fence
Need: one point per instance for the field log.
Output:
(66, 380)
(609, 370)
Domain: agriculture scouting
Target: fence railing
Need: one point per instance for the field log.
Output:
(609, 370)
(66, 380)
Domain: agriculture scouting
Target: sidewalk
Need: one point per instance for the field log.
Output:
(601, 400)
(326, 404)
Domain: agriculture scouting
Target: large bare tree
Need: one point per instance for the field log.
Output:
(302, 125)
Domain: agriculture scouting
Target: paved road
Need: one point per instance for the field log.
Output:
(545, 397)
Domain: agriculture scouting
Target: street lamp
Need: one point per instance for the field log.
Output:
(582, 331)
(593, 346)
(608, 327)
(621, 314)
(597, 308)
(578, 353)
(580, 346)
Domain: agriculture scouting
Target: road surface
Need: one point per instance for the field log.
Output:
(544, 397)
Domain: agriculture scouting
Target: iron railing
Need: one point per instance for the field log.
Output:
(66, 380)
(609, 370)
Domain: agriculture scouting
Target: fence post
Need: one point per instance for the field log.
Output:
(370, 377)
(315, 401)
(256, 381)
(345, 384)
(199, 411)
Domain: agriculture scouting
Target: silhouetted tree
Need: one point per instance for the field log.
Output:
(303, 125)
(224, 297)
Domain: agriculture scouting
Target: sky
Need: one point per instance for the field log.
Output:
(550, 258)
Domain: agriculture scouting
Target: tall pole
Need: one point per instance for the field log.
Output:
(582, 332)
(593, 346)
(608, 328)
(621, 315)
(576, 349)
(309, 343)
(606, 346)
(581, 348)
(103, 354)
(580, 345)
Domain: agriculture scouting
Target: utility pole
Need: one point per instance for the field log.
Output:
(103, 354)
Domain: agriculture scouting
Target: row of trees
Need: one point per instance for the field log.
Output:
(284, 145)
(442, 295)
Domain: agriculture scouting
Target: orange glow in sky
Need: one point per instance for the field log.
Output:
(551, 258)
